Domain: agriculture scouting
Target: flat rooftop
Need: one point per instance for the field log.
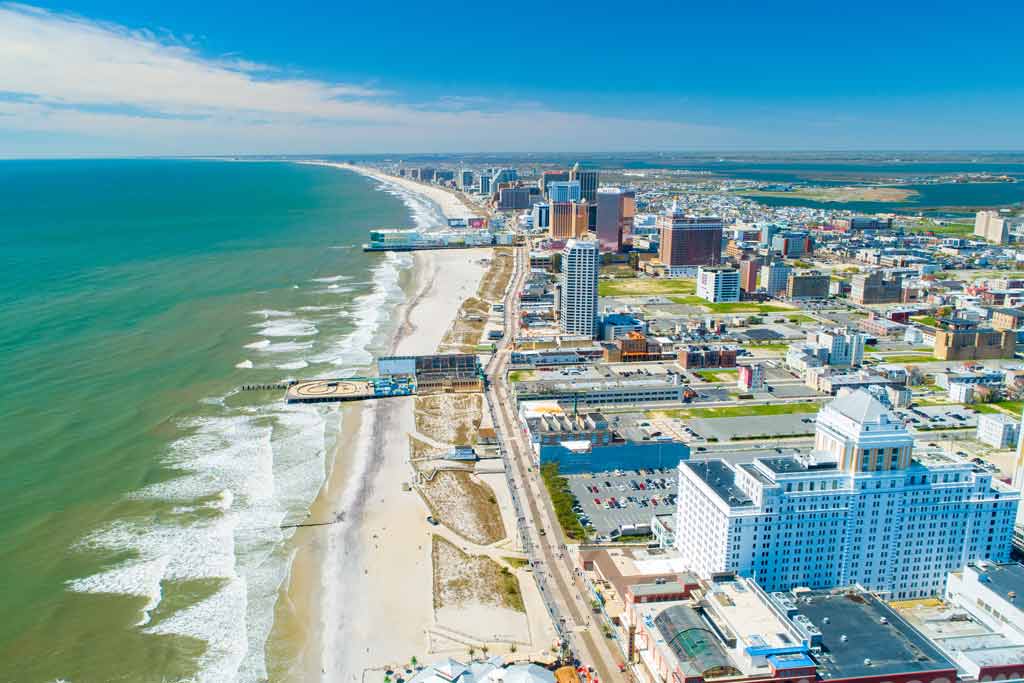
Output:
(747, 614)
(1003, 578)
(970, 643)
(721, 479)
(862, 636)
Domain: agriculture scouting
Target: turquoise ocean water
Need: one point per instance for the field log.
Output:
(141, 494)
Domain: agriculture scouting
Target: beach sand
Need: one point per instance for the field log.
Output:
(451, 203)
(378, 572)
(359, 594)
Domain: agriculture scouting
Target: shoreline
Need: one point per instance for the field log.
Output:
(317, 622)
(448, 201)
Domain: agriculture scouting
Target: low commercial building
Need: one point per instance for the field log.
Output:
(637, 347)
(603, 391)
(960, 339)
(697, 357)
(616, 325)
(493, 670)
(979, 624)
(858, 223)
(809, 285)
(730, 628)
(998, 430)
(878, 287)
(836, 348)
(587, 441)
(751, 377)
(543, 357)
(1007, 319)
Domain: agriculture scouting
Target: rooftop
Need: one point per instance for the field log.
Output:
(862, 636)
(860, 406)
(722, 480)
(1002, 578)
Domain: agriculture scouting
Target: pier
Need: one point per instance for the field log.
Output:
(398, 376)
(279, 386)
(402, 239)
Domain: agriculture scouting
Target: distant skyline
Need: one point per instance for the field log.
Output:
(104, 78)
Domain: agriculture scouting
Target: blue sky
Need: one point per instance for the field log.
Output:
(188, 77)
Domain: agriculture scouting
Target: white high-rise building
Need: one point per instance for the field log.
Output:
(776, 276)
(845, 348)
(718, 284)
(578, 299)
(861, 508)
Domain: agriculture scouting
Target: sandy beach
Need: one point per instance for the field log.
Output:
(360, 595)
(451, 204)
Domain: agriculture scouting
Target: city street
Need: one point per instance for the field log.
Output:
(540, 532)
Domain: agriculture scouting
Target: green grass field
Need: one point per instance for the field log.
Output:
(730, 307)
(908, 358)
(925, 320)
(718, 375)
(955, 229)
(1012, 407)
(741, 411)
(641, 286)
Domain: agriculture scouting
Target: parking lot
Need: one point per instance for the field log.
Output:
(926, 418)
(627, 498)
(728, 428)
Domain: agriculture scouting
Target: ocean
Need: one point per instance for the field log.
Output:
(142, 493)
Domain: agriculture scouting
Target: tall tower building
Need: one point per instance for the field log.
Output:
(549, 177)
(748, 274)
(567, 220)
(777, 278)
(688, 241)
(564, 191)
(616, 209)
(578, 298)
(587, 178)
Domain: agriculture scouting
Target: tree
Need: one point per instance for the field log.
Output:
(472, 652)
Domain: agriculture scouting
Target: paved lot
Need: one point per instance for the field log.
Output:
(726, 428)
(620, 488)
(922, 417)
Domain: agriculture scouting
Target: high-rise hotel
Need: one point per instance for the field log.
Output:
(578, 296)
(688, 241)
(863, 507)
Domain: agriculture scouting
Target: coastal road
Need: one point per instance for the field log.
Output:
(562, 589)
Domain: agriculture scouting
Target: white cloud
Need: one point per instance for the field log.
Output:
(108, 89)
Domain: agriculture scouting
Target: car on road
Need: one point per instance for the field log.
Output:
(431, 520)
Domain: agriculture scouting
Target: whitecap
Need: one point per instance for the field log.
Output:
(244, 365)
(286, 327)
